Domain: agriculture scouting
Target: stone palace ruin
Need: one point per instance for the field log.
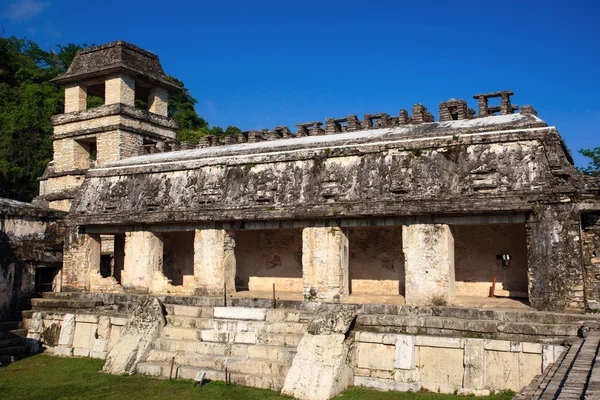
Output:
(393, 252)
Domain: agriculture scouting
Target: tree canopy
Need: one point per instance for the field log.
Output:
(28, 99)
(593, 167)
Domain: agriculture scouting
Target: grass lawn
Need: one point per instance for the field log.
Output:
(46, 377)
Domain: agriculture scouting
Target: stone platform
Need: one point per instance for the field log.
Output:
(389, 346)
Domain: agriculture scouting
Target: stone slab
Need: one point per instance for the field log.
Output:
(245, 313)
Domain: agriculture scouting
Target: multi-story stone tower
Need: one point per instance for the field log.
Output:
(119, 73)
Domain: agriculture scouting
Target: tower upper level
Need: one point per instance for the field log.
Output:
(118, 72)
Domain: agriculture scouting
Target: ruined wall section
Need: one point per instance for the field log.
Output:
(590, 225)
(454, 175)
(30, 238)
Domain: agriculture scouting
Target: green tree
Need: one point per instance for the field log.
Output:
(593, 167)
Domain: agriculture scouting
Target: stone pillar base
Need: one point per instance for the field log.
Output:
(214, 261)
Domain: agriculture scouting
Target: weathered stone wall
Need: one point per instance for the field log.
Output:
(554, 253)
(323, 183)
(448, 365)
(75, 334)
(590, 224)
(476, 264)
(267, 257)
(30, 238)
(376, 263)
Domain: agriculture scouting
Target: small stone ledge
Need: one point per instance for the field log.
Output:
(113, 109)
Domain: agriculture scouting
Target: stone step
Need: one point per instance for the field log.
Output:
(79, 304)
(13, 334)
(236, 325)
(11, 342)
(14, 350)
(280, 353)
(189, 311)
(245, 365)
(272, 339)
(161, 370)
(447, 326)
(525, 316)
(9, 325)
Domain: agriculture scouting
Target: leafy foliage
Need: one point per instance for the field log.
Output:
(28, 100)
(593, 168)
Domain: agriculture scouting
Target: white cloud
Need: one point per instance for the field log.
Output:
(24, 10)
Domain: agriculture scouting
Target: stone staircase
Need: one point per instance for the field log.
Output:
(12, 341)
(575, 375)
(256, 346)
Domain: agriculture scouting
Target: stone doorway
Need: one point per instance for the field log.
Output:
(267, 257)
(178, 256)
(478, 260)
(376, 265)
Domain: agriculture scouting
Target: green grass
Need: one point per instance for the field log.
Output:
(46, 377)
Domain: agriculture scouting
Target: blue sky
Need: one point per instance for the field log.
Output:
(261, 64)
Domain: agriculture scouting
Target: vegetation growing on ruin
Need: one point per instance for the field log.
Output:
(593, 167)
(46, 377)
(28, 99)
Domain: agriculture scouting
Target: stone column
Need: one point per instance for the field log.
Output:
(158, 101)
(75, 98)
(429, 264)
(214, 260)
(81, 257)
(325, 263)
(143, 256)
(120, 89)
(554, 258)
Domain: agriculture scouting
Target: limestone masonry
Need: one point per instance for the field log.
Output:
(392, 252)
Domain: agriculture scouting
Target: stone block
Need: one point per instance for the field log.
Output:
(532, 348)
(321, 369)
(63, 351)
(501, 370)
(385, 385)
(79, 352)
(67, 331)
(497, 345)
(441, 368)
(187, 311)
(104, 327)
(99, 354)
(243, 313)
(100, 346)
(404, 356)
(369, 337)
(92, 319)
(119, 321)
(474, 364)
(375, 356)
(84, 333)
(436, 341)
